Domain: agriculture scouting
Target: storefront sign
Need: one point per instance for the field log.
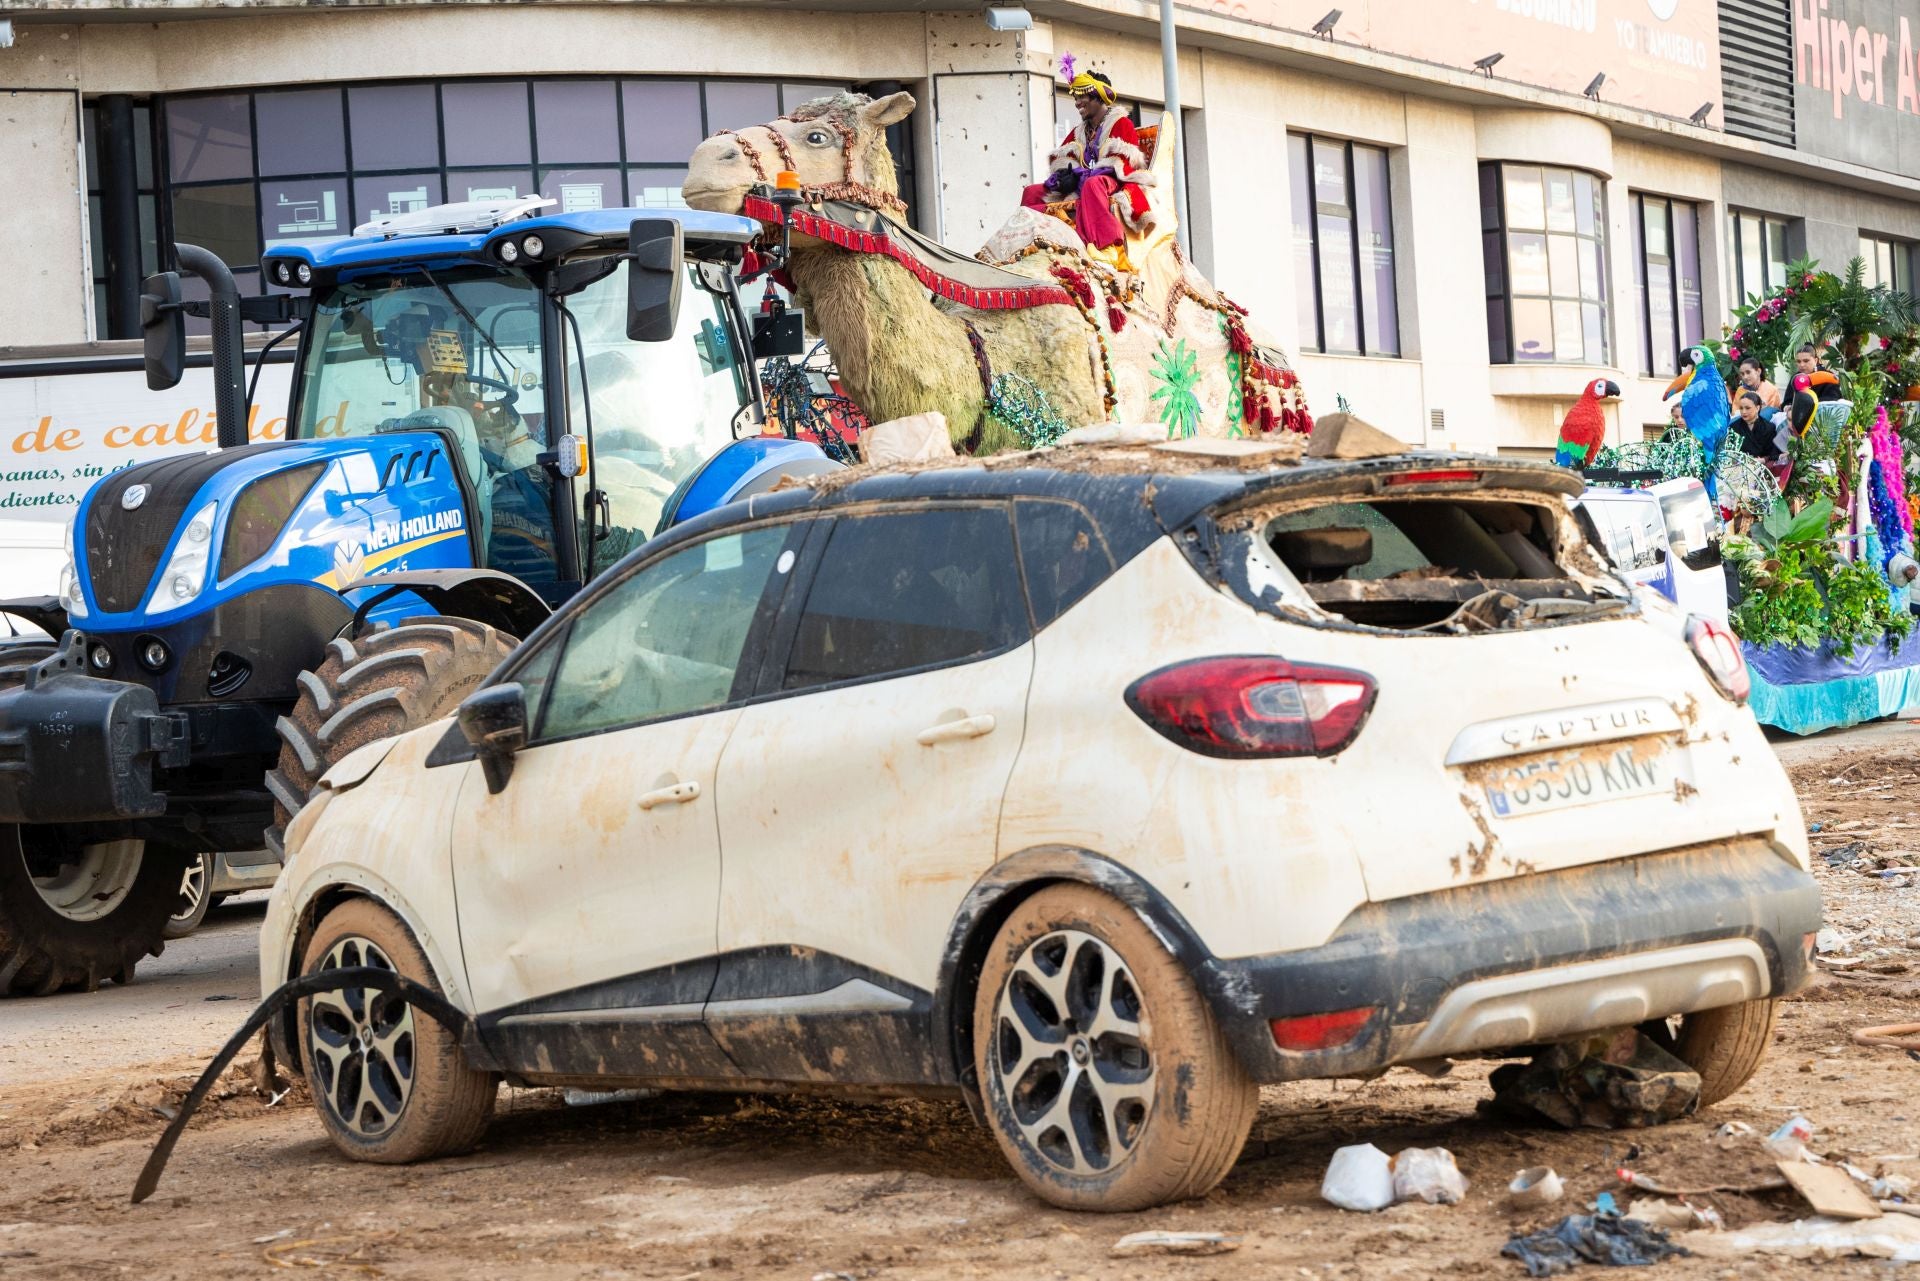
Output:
(1857, 81)
(1660, 55)
(59, 433)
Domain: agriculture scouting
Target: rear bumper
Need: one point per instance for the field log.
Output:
(1493, 967)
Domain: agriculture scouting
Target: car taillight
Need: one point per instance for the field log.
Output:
(1451, 476)
(1250, 706)
(1309, 1032)
(1719, 652)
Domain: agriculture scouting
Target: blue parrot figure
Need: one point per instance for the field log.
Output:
(1705, 407)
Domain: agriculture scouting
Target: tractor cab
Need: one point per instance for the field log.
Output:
(509, 336)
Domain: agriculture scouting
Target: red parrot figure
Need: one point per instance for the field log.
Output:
(1584, 430)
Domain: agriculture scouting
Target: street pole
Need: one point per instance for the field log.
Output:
(1170, 76)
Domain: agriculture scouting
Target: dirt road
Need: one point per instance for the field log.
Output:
(687, 1188)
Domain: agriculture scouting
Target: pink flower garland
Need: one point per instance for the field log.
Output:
(1887, 452)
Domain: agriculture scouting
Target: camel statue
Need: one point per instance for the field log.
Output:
(1029, 337)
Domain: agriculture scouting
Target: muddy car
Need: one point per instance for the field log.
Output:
(1097, 786)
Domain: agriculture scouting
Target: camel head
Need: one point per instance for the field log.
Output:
(838, 144)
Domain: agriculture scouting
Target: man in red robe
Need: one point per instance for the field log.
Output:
(1100, 163)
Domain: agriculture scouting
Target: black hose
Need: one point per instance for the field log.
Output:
(422, 998)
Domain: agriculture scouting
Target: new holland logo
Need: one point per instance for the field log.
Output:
(135, 495)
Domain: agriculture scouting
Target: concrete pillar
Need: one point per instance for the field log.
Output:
(992, 121)
(50, 292)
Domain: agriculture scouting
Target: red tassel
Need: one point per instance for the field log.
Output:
(1116, 318)
(1306, 421)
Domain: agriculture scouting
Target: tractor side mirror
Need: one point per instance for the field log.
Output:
(494, 721)
(163, 328)
(653, 279)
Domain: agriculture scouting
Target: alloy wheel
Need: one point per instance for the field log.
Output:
(362, 1044)
(1071, 1052)
(193, 887)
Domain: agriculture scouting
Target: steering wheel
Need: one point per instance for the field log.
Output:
(508, 392)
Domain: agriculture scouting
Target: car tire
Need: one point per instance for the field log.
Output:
(383, 682)
(1080, 1010)
(390, 1084)
(194, 897)
(1725, 1045)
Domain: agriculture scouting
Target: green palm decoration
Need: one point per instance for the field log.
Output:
(1176, 373)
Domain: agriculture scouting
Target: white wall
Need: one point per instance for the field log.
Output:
(49, 286)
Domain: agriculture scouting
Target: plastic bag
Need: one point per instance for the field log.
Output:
(1359, 1177)
(1428, 1174)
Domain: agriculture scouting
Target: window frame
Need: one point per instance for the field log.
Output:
(1736, 255)
(1505, 295)
(1899, 255)
(806, 571)
(1642, 202)
(748, 673)
(1366, 344)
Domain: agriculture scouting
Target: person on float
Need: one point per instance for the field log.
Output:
(1101, 164)
(1753, 378)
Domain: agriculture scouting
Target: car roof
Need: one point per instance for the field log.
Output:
(1157, 488)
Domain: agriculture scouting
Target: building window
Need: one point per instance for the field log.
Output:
(119, 168)
(1757, 248)
(1889, 262)
(1544, 243)
(247, 171)
(1343, 247)
(1666, 253)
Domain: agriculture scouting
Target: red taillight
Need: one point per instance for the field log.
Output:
(1247, 706)
(1321, 1031)
(1458, 475)
(1719, 652)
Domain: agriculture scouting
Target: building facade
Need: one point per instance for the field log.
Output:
(1456, 250)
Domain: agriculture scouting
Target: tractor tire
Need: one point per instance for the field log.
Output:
(383, 682)
(57, 934)
(76, 917)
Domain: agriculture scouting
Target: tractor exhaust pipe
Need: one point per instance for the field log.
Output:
(229, 356)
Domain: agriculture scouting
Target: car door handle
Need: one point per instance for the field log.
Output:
(949, 731)
(678, 794)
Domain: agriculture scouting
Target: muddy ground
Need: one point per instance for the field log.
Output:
(676, 1187)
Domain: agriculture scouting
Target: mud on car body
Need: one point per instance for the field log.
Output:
(1098, 786)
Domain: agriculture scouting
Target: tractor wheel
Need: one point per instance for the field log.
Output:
(73, 915)
(381, 683)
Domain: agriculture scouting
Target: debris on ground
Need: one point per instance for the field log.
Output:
(577, 1098)
(1616, 1080)
(1789, 1142)
(1895, 1237)
(1604, 1239)
(1892, 1036)
(1535, 1186)
(1830, 1190)
(1733, 1134)
(1428, 1174)
(1360, 1177)
(1188, 1243)
(1674, 1216)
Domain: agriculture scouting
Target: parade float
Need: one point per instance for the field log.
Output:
(1036, 334)
(1821, 537)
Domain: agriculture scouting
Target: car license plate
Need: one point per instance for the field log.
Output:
(1562, 780)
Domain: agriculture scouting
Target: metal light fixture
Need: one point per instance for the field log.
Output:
(1008, 17)
(1486, 64)
(1324, 27)
(1593, 86)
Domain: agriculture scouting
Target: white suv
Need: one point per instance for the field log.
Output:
(1098, 786)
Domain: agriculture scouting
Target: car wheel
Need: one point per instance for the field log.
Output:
(194, 899)
(1105, 1078)
(390, 1084)
(1725, 1045)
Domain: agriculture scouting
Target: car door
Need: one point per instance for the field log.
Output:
(860, 800)
(588, 885)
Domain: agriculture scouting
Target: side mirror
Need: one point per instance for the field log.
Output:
(653, 279)
(494, 721)
(163, 327)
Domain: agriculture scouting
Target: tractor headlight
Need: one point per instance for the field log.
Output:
(533, 246)
(72, 599)
(186, 571)
(305, 273)
(509, 252)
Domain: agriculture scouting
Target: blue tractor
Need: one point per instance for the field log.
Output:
(489, 405)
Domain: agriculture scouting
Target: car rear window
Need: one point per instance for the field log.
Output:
(898, 591)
